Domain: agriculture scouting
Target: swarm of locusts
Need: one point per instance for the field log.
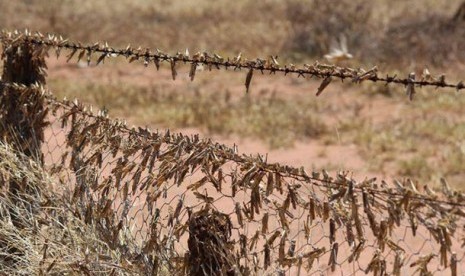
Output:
(153, 194)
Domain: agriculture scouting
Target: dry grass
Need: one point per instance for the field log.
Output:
(39, 232)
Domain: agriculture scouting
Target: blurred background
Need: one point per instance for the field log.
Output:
(370, 129)
(379, 31)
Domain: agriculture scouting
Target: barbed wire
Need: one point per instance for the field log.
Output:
(214, 61)
(405, 189)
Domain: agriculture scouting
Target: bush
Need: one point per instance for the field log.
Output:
(316, 23)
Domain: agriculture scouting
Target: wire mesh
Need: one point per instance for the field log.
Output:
(142, 189)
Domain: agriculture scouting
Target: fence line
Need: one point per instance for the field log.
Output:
(214, 61)
(284, 194)
(406, 189)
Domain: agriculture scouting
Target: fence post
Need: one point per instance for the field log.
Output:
(22, 117)
(210, 250)
(22, 110)
(459, 15)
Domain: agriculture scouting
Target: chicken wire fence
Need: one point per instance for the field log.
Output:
(176, 204)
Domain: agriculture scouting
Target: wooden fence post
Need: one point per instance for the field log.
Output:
(210, 251)
(22, 110)
(459, 15)
(22, 121)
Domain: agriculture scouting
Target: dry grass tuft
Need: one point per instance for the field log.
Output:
(38, 232)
